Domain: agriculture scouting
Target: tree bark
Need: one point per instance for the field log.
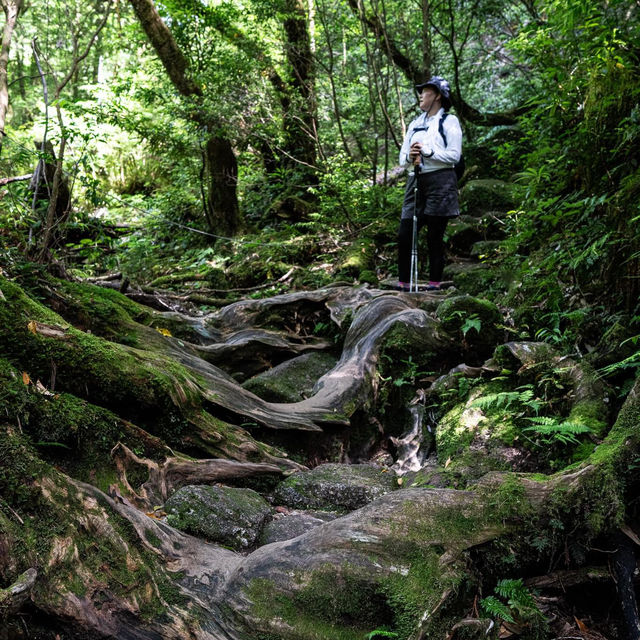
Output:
(222, 210)
(11, 12)
(222, 202)
(426, 38)
(301, 135)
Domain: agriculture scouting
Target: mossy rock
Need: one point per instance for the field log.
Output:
(337, 487)
(484, 248)
(229, 516)
(473, 279)
(472, 441)
(293, 380)
(475, 321)
(462, 233)
(483, 195)
(357, 259)
(368, 277)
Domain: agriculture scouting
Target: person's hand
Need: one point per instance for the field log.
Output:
(414, 153)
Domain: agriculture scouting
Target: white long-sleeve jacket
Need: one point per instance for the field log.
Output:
(425, 130)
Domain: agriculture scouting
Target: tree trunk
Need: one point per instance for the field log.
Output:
(223, 213)
(300, 123)
(222, 206)
(11, 12)
(426, 38)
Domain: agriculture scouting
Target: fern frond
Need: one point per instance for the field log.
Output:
(563, 432)
(496, 609)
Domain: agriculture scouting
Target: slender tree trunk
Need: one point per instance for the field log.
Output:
(414, 73)
(223, 213)
(53, 216)
(11, 12)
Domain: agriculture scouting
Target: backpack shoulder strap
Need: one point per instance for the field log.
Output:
(441, 127)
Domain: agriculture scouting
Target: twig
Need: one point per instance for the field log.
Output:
(18, 518)
(4, 181)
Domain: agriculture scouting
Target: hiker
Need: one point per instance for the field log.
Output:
(433, 144)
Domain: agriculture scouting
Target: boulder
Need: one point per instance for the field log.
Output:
(469, 277)
(293, 524)
(463, 232)
(338, 487)
(483, 195)
(231, 517)
(471, 441)
(484, 249)
(475, 322)
(293, 380)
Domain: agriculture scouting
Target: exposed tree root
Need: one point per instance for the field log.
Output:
(13, 598)
(173, 473)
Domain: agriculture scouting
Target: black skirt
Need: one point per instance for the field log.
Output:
(437, 194)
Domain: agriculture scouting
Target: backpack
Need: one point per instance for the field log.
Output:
(460, 166)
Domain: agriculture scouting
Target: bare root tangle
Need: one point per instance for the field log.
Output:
(166, 477)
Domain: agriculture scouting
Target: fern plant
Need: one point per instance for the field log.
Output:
(552, 431)
(512, 602)
(495, 608)
(522, 398)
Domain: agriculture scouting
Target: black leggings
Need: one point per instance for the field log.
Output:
(436, 226)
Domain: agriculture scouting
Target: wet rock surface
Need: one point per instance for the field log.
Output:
(335, 486)
(229, 516)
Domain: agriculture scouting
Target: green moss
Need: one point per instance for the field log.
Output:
(488, 194)
(456, 431)
(104, 312)
(507, 501)
(333, 603)
(472, 279)
(143, 386)
(419, 591)
(358, 258)
(293, 380)
(20, 467)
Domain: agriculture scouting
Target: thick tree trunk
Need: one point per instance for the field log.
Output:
(426, 38)
(300, 123)
(223, 213)
(11, 12)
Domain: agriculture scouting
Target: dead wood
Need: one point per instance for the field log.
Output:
(562, 580)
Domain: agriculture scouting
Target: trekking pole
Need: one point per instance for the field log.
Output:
(413, 278)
